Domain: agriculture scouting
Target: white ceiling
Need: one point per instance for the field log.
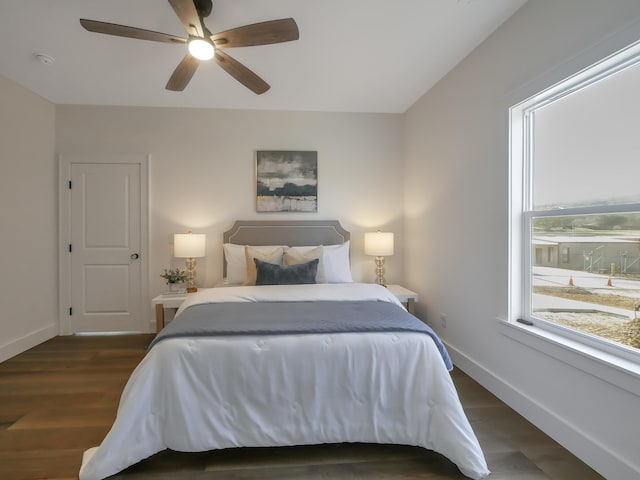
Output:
(353, 55)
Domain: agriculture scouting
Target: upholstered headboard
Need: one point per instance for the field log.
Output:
(294, 233)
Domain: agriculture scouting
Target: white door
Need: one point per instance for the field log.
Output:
(105, 251)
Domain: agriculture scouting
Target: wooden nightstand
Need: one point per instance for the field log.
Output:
(166, 301)
(406, 297)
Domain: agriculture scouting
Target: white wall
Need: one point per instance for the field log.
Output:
(456, 206)
(202, 171)
(28, 212)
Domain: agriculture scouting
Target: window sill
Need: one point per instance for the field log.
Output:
(617, 371)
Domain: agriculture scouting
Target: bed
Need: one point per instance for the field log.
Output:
(320, 361)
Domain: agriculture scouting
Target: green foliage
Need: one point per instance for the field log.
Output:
(610, 222)
(174, 276)
(587, 223)
(553, 224)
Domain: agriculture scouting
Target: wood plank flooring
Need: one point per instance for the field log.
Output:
(60, 398)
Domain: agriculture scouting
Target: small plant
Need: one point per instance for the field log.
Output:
(174, 276)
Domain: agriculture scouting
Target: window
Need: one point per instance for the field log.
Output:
(575, 192)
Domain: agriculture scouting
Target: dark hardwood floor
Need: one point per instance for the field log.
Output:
(60, 398)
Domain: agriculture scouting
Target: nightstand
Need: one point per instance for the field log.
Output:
(406, 297)
(166, 301)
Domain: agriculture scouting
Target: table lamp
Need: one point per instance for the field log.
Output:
(189, 246)
(380, 245)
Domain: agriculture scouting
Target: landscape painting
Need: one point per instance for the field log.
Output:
(287, 181)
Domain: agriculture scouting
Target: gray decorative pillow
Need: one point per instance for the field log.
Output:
(272, 274)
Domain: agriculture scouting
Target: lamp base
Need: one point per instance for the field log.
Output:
(191, 275)
(380, 280)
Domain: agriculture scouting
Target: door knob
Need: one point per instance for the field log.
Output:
(135, 256)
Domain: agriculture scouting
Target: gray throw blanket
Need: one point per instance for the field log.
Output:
(282, 318)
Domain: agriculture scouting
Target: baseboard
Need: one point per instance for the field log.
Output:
(19, 345)
(588, 449)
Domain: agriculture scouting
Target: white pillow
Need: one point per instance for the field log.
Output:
(337, 268)
(335, 262)
(236, 261)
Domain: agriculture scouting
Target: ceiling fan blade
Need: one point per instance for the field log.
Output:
(131, 32)
(263, 33)
(241, 73)
(188, 15)
(181, 76)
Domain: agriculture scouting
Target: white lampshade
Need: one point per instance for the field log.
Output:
(189, 245)
(379, 244)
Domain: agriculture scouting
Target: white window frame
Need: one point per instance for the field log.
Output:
(521, 124)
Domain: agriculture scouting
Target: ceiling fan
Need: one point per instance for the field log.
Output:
(203, 45)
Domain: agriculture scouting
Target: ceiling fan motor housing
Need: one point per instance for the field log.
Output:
(203, 7)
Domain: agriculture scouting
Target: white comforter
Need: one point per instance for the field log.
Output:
(198, 394)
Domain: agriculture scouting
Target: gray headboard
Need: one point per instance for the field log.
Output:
(285, 232)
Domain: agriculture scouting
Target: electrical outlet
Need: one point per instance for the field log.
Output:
(443, 320)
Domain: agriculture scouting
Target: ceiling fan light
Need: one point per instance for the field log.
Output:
(201, 49)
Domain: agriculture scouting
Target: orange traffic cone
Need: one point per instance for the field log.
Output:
(609, 284)
(571, 281)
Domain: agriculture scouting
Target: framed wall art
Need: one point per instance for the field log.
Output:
(286, 181)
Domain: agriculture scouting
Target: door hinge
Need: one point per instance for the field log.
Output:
(70, 311)
(70, 248)
(69, 184)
